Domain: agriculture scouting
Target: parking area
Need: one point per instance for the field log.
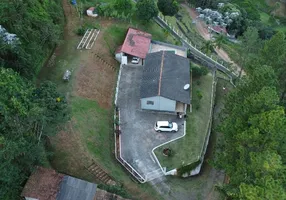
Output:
(138, 136)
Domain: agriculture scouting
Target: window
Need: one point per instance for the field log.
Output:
(150, 102)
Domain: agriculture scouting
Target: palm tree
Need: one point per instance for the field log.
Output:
(219, 40)
(208, 46)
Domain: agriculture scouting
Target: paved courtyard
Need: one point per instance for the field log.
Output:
(138, 136)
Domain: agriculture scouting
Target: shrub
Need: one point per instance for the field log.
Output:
(198, 71)
(199, 94)
(80, 31)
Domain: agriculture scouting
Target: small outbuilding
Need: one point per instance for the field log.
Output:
(136, 44)
(165, 84)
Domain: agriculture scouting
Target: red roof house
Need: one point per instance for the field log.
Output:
(218, 29)
(136, 43)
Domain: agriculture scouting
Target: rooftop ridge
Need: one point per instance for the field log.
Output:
(161, 72)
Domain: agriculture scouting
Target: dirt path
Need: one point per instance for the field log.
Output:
(203, 31)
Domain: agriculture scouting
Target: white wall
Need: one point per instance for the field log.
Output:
(160, 103)
(29, 198)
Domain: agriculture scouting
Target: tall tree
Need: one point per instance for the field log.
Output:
(23, 109)
(146, 10)
(38, 25)
(219, 40)
(124, 7)
(168, 7)
(208, 46)
(254, 134)
(248, 49)
(274, 55)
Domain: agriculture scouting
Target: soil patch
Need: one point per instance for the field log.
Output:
(100, 63)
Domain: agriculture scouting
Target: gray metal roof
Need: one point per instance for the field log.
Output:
(75, 189)
(165, 74)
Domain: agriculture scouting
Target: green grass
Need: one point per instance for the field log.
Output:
(264, 17)
(95, 127)
(92, 123)
(188, 149)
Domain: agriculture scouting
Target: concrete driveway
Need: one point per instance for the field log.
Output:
(138, 136)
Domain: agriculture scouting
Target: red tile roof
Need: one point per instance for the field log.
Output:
(43, 184)
(219, 29)
(136, 43)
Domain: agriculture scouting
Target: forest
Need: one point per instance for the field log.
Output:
(29, 32)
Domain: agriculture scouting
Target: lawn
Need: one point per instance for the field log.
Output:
(189, 148)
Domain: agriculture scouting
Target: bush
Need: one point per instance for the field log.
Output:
(199, 94)
(80, 31)
(198, 71)
(119, 190)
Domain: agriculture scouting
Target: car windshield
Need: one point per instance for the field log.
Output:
(156, 125)
(170, 124)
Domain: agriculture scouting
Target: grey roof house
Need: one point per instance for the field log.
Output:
(165, 84)
(47, 184)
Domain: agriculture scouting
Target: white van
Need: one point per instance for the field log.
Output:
(165, 126)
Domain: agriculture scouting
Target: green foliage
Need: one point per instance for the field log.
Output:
(199, 94)
(198, 71)
(187, 168)
(80, 31)
(146, 10)
(123, 7)
(254, 133)
(38, 25)
(168, 7)
(119, 190)
(274, 55)
(219, 40)
(208, 46)
(23, 109)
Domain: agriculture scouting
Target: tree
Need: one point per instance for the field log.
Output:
(248, 49)
(208, 46)
(39, 27)
(254, 134)
(124, 7)
(219, 40)
(274, 54)
(146, 10)
(168, 7)
(23, 108)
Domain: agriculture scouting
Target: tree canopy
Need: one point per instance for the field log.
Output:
(25, 112)
(168, 7)
(252, 151)
(38, 25)
(146, 10)
(123, 7)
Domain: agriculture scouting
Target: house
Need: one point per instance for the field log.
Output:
(165, 84)
(217, 29)
(47, 184)
(136, 44)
